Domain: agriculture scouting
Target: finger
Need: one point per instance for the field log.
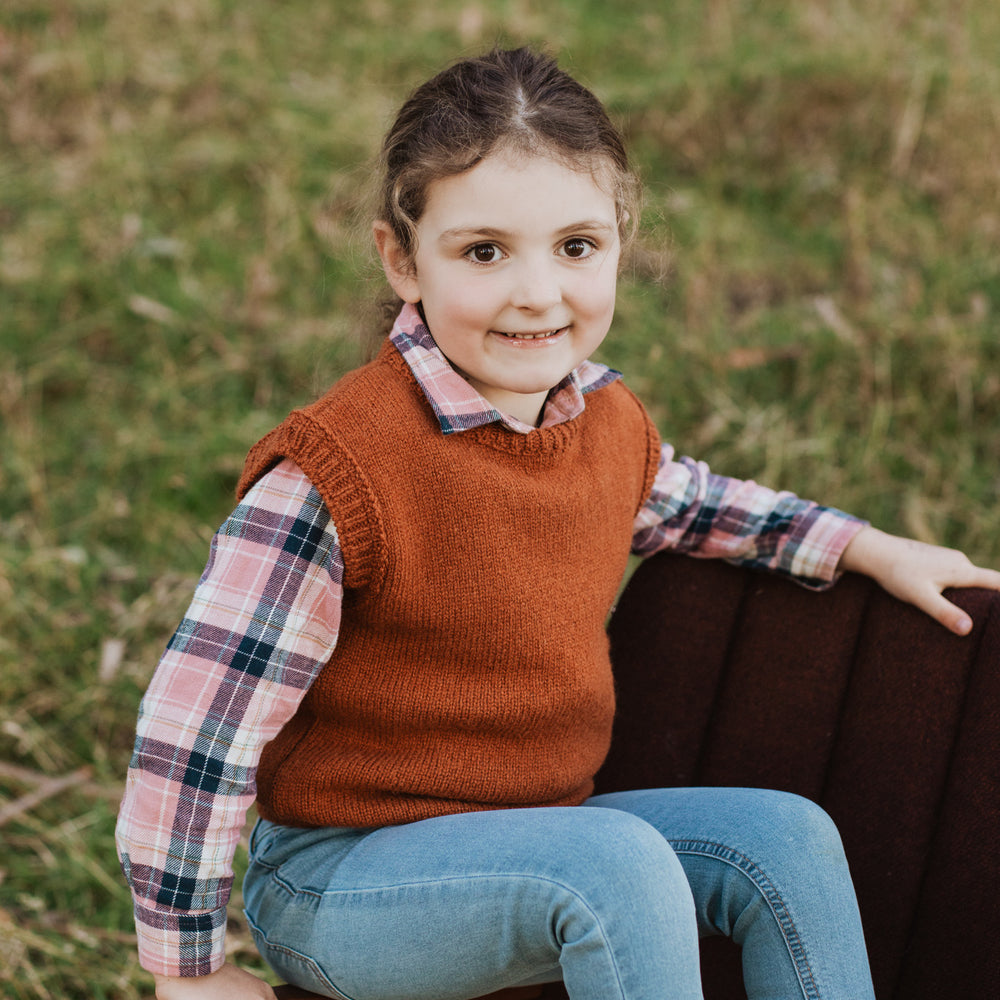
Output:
(949, 615)
(981, 577)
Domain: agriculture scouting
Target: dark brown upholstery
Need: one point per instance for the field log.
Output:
(853, 699)
(849, 697)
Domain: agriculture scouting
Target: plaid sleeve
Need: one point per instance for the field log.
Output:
(263, 621)
(691, 509)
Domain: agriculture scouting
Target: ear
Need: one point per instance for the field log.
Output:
(397, 264)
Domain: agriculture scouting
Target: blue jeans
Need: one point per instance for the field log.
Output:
(610, 897)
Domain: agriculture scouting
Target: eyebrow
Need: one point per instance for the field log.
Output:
(492, 233)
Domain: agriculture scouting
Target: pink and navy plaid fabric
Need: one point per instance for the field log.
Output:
(264, 619)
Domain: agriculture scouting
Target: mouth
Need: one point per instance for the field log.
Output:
(543, 335)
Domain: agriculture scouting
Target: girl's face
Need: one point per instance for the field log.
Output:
(515, 270)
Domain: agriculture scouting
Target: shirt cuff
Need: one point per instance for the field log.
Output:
(815, 561)
(180, 944)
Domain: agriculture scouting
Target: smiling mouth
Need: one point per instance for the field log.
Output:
(530, 336)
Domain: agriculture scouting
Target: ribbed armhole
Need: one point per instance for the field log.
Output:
(345, 489)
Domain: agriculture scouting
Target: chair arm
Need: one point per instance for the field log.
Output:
(849, 697)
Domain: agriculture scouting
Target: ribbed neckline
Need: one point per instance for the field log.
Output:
(541, 441)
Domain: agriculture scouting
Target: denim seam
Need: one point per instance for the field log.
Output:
(529, 876)
(294, 953)
(769, 891)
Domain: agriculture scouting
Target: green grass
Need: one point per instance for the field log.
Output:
(182, 260)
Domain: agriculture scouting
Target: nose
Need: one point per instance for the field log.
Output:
(536, 286)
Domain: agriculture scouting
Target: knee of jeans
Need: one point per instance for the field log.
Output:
(631, 852)
(797, 827)
(806, 822)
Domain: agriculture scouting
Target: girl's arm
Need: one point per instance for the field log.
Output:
(917, 573)
(692, 509)
(263, 621)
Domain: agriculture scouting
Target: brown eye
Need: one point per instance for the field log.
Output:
(578, 248)
(484, 253)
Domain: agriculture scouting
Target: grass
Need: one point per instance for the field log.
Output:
(181, 262)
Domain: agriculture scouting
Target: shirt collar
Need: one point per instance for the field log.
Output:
(459, 407)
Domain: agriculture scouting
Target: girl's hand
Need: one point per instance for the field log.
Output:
(227, 983)
(917, 572)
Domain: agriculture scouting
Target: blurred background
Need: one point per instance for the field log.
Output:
(184, 256)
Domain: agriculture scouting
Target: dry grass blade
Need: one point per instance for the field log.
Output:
(91, 789)
(45, 790)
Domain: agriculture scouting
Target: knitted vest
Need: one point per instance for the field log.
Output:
(471, 669)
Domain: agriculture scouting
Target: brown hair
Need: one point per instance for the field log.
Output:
(517, 100)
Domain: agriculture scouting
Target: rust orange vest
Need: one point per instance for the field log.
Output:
(471, 670)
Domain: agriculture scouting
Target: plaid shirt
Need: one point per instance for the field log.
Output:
(264, 620)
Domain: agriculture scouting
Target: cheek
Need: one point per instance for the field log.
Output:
(455, 315)
(466, 302)
(596, 295)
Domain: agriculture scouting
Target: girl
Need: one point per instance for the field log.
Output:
(398, 644)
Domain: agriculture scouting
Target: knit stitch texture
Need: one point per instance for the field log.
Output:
(472, 670)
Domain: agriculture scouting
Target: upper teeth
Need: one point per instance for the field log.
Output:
(531, 336)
